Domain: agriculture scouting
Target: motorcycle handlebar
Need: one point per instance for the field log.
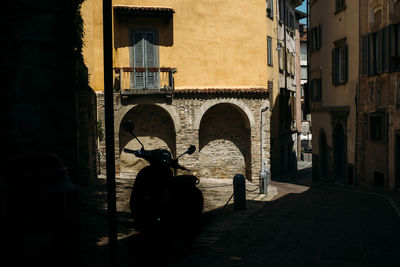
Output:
(137, 153)
(154, 156)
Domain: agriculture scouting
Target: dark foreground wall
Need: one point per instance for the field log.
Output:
(42, 84)
(46, 107)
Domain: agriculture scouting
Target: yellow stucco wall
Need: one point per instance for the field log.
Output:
(93, 42)
(212, 43)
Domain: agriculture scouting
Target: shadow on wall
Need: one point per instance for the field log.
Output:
(283, 155)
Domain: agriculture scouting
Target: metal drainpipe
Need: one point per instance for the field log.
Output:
(263, 173)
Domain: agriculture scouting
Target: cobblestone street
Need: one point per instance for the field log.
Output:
(297, 224)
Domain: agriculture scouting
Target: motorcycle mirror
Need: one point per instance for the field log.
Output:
(128, 126)
(191, 150)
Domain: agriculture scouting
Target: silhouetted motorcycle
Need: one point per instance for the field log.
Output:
(162, 200)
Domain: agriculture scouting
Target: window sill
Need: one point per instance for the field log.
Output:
(340, 10)
(340, 83)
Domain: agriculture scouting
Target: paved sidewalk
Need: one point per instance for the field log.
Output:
(315, 227)
(216, 193)
(298, 224)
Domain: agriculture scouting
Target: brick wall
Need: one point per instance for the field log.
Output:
(225, 128)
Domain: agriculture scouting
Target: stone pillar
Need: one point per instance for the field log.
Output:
(187, 134)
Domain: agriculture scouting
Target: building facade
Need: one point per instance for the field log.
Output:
(334, 72)
(285, 117)
(193, 72)
(379, 95)
(355, 91)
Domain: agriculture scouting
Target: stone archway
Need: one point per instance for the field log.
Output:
(155, 129)
(224, 142)
(241, 107)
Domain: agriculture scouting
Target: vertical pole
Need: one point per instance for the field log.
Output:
(262, 167)
(239, 192)
(109, 131)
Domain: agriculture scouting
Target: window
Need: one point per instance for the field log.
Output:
(376, 127)
(269, 50)
(304, 72)
(270, 9)
(340, 63)
(395, 48)
(381, 51)
(281, 11)
(303, 50)
(340, 5)
(291, 21)
(145, 56)
(398, 91)
(270, 86)
(315, 38)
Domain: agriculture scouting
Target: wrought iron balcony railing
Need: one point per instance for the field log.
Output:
(142, 80)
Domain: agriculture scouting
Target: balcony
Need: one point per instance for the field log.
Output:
(141, 80)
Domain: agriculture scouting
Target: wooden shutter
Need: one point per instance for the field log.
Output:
(398, 90)
(270, 6)
(379, 52)
(334, 66)
(371, 61)
(138, 50)
(395, 48)
(318, 37)
(365, 55)
(150, 55)
(306, 98)
(269, 50)
(386, 49)
(346, 63)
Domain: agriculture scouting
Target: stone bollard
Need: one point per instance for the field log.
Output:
(239, 192)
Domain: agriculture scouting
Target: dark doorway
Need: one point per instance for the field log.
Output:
(339, 152)
(397, 160)
(323, 155)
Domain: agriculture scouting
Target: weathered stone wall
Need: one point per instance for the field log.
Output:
(225, 128)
